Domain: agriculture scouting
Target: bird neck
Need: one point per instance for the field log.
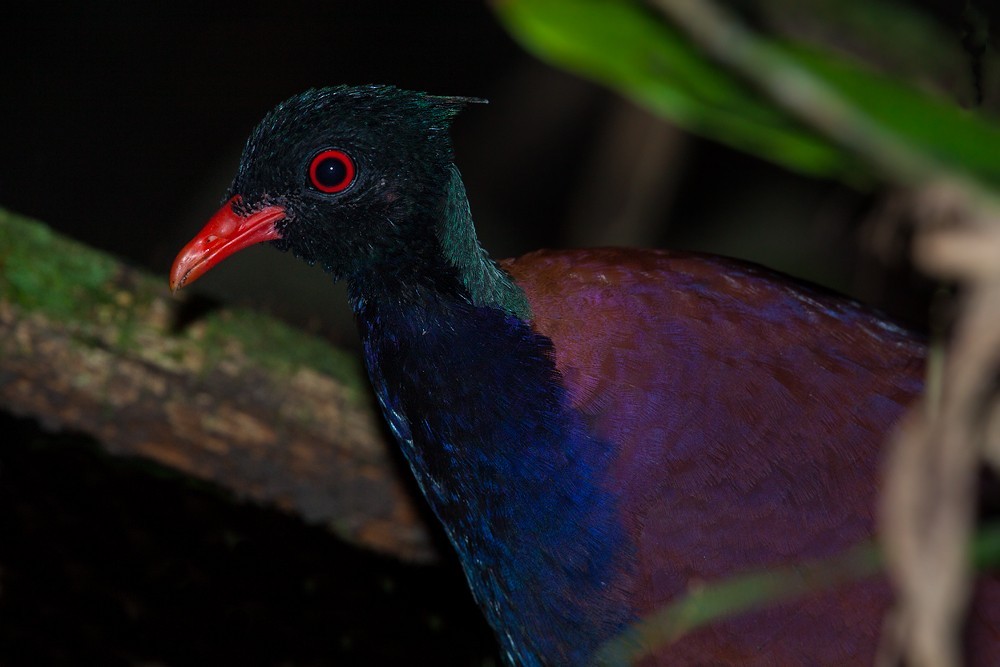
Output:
(443, 257)
(513, 472)
(487, 284)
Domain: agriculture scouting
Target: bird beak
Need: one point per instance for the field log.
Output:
(226, 232)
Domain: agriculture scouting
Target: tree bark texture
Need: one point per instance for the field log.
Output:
(269, 413)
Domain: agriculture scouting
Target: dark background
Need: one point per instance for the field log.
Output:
(121, 125)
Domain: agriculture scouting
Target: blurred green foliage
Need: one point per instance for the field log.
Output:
(626, 46)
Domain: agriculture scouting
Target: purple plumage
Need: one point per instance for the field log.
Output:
(749, 414)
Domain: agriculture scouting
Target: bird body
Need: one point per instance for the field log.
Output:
(598, 431)
(747, 445)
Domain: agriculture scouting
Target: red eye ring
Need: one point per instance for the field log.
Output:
(331, 171)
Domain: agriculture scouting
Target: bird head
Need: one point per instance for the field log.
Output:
(348, 177)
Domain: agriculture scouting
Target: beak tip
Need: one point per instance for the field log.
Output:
(225, 233)
(176, 280)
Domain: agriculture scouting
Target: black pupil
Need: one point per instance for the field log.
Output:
(331, 172)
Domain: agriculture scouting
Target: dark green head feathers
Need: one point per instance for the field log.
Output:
(366, 179)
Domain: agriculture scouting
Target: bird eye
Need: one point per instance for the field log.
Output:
(331, 171)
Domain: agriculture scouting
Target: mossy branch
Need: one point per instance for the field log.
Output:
(269, 413)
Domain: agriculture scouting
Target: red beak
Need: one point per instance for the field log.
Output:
(226, 232)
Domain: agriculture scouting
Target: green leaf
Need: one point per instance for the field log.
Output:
(627, 47)
(624, 47)
(959, 138)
